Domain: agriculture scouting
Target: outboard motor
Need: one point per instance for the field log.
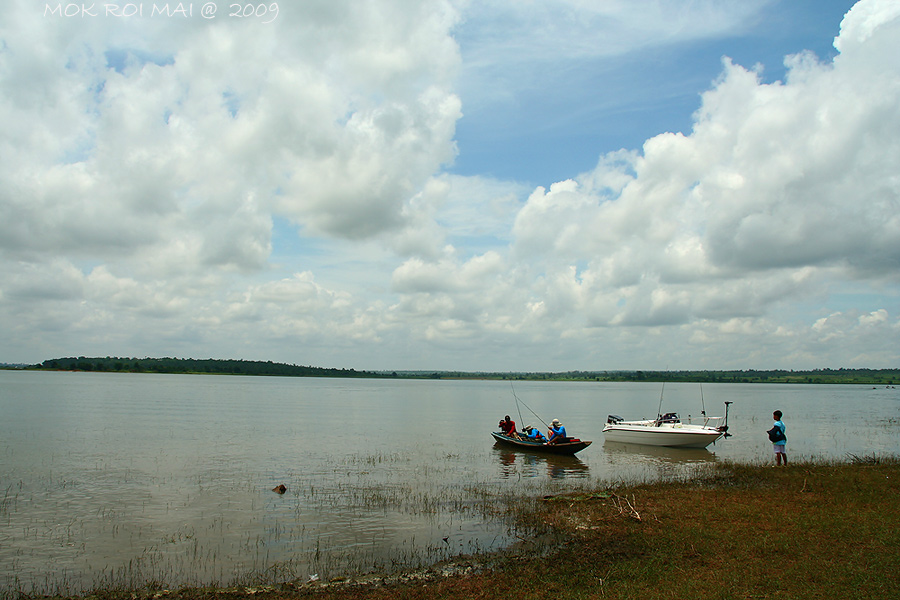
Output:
(613, 419)
(724, 428)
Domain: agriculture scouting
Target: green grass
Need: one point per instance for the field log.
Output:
(737, 531)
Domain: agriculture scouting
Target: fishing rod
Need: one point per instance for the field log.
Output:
(526, 406)
(702, 403)
(659, 409)
(517, 403)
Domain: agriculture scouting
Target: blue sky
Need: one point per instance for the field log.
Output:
(559, 121)
(450, 184)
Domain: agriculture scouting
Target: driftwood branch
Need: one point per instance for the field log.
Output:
(626, 506)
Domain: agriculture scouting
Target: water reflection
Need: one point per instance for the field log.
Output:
(514, 463)
(631, 462)
(657, 454)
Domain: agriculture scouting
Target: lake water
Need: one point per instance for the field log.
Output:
(121, 479)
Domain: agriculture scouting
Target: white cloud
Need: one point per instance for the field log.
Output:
(510, 46)
(780, 190)
(334, 127)
(574, 29)
(774, 180)
(415, 275)
(383, 156)
(862, 21)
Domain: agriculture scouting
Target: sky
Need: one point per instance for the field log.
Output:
(496, 185)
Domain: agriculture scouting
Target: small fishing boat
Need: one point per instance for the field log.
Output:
(570, 446)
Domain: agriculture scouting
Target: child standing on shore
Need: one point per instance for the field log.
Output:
(781, 445)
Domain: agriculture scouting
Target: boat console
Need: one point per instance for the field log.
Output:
(668, 418)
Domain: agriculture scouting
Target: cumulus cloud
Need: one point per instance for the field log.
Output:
(780, 195)
(773, 180)
(333, 116)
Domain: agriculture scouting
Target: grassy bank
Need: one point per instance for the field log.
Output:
(813, 530)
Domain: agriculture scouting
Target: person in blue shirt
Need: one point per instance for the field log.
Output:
(534, 434)
(781, 445)
(557, 432)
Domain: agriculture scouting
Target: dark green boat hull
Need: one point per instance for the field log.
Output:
(569, 447)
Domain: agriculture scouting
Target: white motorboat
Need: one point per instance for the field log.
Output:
(666, 430)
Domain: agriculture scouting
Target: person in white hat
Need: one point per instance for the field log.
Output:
(557, 432)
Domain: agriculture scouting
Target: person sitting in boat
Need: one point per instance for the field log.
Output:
(534, 434)
(557, 432)
(508, 427)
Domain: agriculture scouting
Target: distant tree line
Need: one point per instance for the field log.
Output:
(193, 365)
(860, 376)
(248, 367)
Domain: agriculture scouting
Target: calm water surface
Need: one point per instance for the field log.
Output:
(122, 478)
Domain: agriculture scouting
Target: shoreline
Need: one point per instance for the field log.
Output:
(812, 529)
